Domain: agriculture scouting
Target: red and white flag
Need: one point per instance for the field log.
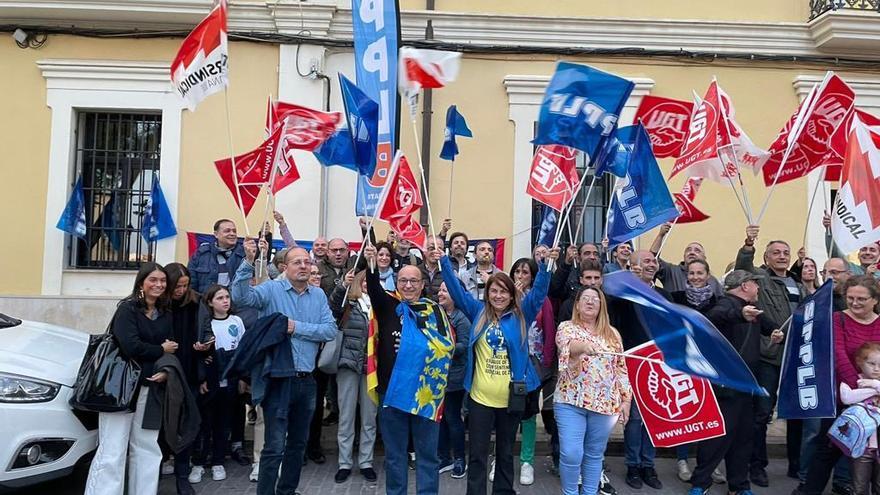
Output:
(274, 153)
(855, 222)
(426, 69)
(200, 68)
(553, 178)
(666, 121)
(251, 177)
(684, 201)
(716, 143)
(824, 112)
(306, 128)
(400, 199)
(834, 159)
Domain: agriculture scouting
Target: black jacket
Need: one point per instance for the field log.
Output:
(355, 328)
(461, 325)
(625, 319)
(743, 335)
(180, 414)
(263, 353)
(141, 338)
(185, 331)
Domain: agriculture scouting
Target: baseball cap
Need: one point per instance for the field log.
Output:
(738, 277)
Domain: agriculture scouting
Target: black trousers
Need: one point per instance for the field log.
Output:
(823, 462)
(734, 448)
(314, 444)
(794, 431)
(481, 421)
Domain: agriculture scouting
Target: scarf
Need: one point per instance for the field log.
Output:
(387, 279)
(418, 382)
(698, 297)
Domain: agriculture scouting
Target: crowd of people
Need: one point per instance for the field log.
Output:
(433, 351)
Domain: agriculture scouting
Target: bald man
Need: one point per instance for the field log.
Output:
(335, 265)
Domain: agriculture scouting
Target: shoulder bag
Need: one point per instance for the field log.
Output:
(107, 381)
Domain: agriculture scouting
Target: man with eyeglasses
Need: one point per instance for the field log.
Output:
(674, 277)
(779, 295)
(414, 326)
(334, 267)
(289, 401)
(431, 267)
(869, 256)
(838, 270)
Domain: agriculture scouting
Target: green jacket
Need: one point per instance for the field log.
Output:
(772, 299)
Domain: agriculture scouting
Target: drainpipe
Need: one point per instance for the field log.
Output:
(427, 112)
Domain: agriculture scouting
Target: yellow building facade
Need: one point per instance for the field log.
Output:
(93, 60)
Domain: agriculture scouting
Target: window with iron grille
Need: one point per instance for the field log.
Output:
(117, 155)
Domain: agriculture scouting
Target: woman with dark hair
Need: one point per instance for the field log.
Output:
(542, 355)
(498, 374)
(142, 326)
(384, 258)
(593, 391)
(810, 275)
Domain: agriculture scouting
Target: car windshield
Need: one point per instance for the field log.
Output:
(8, 321)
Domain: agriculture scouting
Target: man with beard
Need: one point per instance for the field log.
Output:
(458, 248)
(674, 277)
(475, 278)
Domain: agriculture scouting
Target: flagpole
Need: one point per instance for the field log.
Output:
(747, 208)
(247, 230)
(793, 136)
(412, 111)
(580, 222)
(451, 178)
(631, 356)
(809, 212)
(563, 216)
(665, 238)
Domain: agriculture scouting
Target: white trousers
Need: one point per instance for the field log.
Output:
(120, 436)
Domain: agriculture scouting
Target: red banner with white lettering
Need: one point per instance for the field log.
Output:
(834, 159)
(306, 128)
(684, 201)
(553, 178)
(401, 198)
(676, 408)
(832, 109)
(666, 121)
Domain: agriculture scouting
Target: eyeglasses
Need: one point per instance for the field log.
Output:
(590, 299)
(299, 261)
(408, 281)
(857, 299)
(338, 250)
(833, 272)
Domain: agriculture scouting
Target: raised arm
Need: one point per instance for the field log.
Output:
(745, 257)
(243, 292)
(289, 241)
(535, 298)
(462, 299)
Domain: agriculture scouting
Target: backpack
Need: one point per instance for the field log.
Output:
(853, 428)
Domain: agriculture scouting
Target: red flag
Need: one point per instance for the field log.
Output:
(274, 153)
(407, 228)
(427, 68)
(676, 408)
(832, 106)
(855, 222)
(834, 159)
(401, 197)
(684, 201)
(553, 178)
(306, 129)
(666, 121)
(250, 177)
(199, 69)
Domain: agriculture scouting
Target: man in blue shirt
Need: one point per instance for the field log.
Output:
(289, 402)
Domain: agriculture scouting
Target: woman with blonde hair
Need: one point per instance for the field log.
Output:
(593, 391)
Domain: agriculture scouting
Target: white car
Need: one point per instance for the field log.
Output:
(41, 437)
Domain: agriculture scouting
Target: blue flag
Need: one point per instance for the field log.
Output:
(581, 107)
(689, 341)
(110, 223)
(613, 157)
(337, 150)
(158, 223)
(73, 218)
(455, 126)
(362, 114)
(806, 385)
(548, 226)
(641, 200)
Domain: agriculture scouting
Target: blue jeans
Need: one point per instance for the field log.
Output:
(287, 430)
(809, 441)
(638, 449)
(452, 428)
(397, 426)
(681, 452)
(583, 436)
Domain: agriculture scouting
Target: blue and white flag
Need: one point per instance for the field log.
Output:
(688, 340)
(581, 107)
(613, 157)
(337, 150)
(641, 200)
(110, 222)
(376, 34)
(548, 226)
(455, 126)
(73, 218)
(362, 114)
(806, 386)
(158, 222)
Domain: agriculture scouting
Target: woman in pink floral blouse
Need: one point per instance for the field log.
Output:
(593, 390)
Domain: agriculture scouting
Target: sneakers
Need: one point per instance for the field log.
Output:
(684, 474)
(718, 477)
(758, 476)
(605, 487)
(526, 474)
(255, 473)
(412, 461)
(633, 477)
(167, 467)
(446, 465)
(252, 416)
(342, 475)
(218, 473)
(459, 469)
(195, 476)
(492, 472)
(369, 474)
(649, 476)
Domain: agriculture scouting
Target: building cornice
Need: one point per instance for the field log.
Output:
(867, 90)
(103, 74)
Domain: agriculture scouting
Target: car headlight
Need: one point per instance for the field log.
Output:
(18, 389)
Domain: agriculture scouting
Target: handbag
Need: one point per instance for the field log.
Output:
(328, 356)
(107, 381)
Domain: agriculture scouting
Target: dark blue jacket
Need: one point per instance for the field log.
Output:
(264, 352)
(203, 266)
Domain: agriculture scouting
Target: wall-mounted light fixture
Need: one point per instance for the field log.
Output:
(26, 39)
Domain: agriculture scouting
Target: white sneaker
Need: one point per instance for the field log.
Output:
(718, 477)
(492, 472)
(167, 467)
(526, 474)
(255, 472)
(684, 474)
(195, 476)
(218, 473)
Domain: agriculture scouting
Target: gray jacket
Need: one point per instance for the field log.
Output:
(354, 330)
(674, 278)
(462, 327)
(472, 282)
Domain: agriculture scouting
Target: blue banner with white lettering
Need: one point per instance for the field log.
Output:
(362, 115)
(376, 33)
(689, 341)
(641, 200)
(806, 385)
(581, 107)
